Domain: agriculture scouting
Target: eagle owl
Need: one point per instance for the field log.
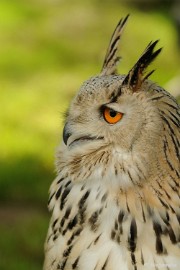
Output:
(115, 201)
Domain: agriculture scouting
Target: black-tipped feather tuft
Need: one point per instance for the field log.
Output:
(135, 78)
(111, 59)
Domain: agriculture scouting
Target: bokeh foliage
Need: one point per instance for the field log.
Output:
(47, 48)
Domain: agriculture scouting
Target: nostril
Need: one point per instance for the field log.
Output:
(66, 134)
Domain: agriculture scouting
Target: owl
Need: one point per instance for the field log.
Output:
(115, 201)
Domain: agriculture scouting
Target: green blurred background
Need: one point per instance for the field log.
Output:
(47, 49)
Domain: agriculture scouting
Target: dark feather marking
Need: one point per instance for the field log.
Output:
(172, 134)
(74, 235)
(174, 180)
(157, 228)
(82, 206)
(104, 197)
(167, 194)
(176, 143)
(176, 147)
(150, 211)
(67, 184)
(127, 205)
(163, 203)
(122, 167)
(167, 216)
(172, 209)
(114, 43)
(161, 187)
(175, 117)
(63, 197)
(167, 123)
(83, 199)
(120, 220)
(62, 265)
(62, 222)
(143, 214)
(90, 244)
(141, 172)
(54, 223)
(103, 152)
(105, 263)
(120, 216)
(64, 231)
(97, 238)
(95, 162)
(158, 231)
(116, 225)
(130, 176)
(157, 98)
(166, 156)
(53, 262)
(82, 215)
(142, 258)
(133, 259)
(51, 198)
(172, 235)
(118, 239)
(58, 193)
(60, 180)
(158, 192)
(133, 236)
(55, 237)
(72, 223)
(94, 218)
(50, 237)
(148, 75)
(178, 217)
(74, 265)
(170, 105)
(67, 251)
(115, 170)
(174, 189)
(172, 120)
(166, 219)
(159, 245)
(67, 213)
(113, 233)
(111, 55)
(82, 188)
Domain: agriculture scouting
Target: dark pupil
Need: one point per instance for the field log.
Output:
(112, 113)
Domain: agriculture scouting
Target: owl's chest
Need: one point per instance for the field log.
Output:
(85, 230)
(91, 230)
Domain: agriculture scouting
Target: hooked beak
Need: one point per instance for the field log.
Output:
(66, 134)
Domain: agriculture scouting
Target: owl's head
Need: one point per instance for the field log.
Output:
(116, 119)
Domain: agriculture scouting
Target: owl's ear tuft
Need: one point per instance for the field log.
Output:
(136, 75)
(112, 59)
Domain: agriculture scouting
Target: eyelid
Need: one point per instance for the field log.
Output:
(112, 106)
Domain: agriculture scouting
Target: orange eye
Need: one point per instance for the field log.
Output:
(111, 116)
